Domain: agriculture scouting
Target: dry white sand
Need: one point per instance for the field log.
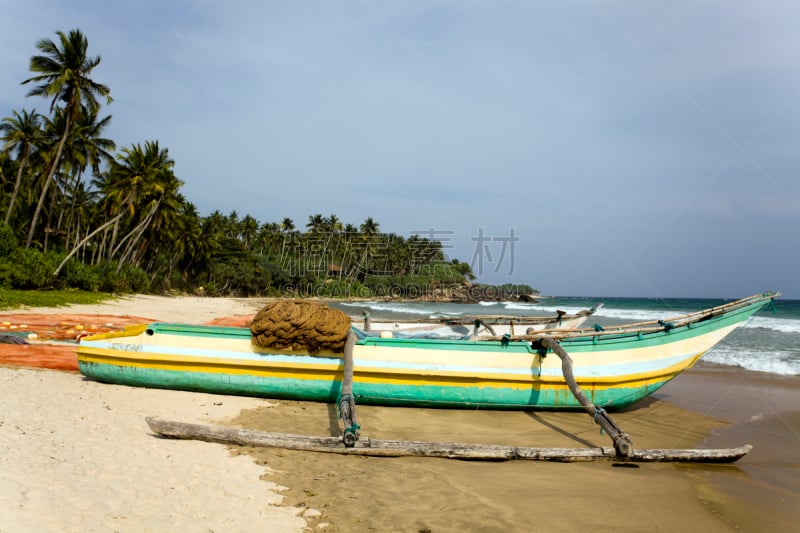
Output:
(185, 309)
(76, 455)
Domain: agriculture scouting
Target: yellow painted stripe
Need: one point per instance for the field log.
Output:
(129, 331)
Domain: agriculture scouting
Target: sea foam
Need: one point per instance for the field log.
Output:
(781, 325)
(774, 362)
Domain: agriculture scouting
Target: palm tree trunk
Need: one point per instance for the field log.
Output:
(99, 252)
(112, 240)
(22, 164)
(134, 235)
(48, 228)
(85, 240)
(50, 174)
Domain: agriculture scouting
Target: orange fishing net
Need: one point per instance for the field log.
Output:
(51, 340)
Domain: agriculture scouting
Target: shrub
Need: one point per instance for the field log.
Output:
(32, 269)
(78, 275)
(6, 274)
(7, 241)
(128, 279)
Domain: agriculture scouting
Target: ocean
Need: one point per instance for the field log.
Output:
(768, 342)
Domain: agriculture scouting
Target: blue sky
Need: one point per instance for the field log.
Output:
(585, 148)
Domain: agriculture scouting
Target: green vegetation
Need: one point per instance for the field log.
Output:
(12, 299)
(76, 213)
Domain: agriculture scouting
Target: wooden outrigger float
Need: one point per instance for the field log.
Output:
(444, 450)
(595, 370)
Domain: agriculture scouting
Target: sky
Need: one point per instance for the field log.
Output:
(620, 148)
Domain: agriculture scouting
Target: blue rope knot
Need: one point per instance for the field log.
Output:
(666, 325)
(352, 430)
(597, 412)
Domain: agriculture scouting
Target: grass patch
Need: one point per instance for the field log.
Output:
(13, 299)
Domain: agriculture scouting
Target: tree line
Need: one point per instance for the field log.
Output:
(80, 213)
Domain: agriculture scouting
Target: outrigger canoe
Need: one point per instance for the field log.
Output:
(615, 367)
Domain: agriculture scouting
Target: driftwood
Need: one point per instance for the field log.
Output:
(622, 442)
(447, 450)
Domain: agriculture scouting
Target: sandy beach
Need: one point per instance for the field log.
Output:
(76, 455)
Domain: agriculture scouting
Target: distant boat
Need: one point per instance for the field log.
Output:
(615, 367)
(478, 325)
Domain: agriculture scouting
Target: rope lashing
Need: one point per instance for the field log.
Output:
(666, 325)
(339, 400)
(346, 410)
(599, 411)
(351, 433)
(479, 323)
(539, 347)
(598, 328)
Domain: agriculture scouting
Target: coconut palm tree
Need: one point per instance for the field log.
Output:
(62, 74)
(89, 140)
(138, 183)
(249, 230)
(165, 209)
(20, 133)
(333, 224)
(232, 229)
(216, 222)
(270, 235)
(181, 239)
(89, 149)
(83, 205)
(85, 148)
(369, 227)
(316, 223)
(157, 198)
(287, 225)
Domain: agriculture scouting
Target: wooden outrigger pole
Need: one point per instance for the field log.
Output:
(347, 402)
(350, 443)
(622, 442)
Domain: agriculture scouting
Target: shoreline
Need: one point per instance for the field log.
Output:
(67, 441)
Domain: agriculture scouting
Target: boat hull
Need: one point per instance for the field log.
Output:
(613, 370)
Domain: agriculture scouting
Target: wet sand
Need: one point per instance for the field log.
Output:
(48, 413)
(760, 492)
(763, 491)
